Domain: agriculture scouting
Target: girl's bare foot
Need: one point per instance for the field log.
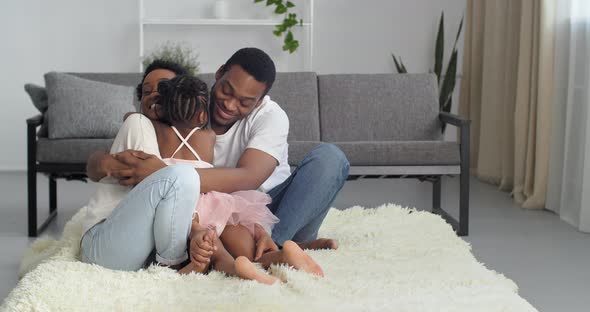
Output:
(193, 267)
(296, 257)
(320, 243)
(246, 270)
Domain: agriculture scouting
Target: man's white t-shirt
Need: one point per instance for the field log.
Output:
(266, 129)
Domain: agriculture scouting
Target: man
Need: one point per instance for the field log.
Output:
(251, 153)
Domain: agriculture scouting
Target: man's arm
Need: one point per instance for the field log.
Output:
(253, 168)
(94, 166)
(101, 163)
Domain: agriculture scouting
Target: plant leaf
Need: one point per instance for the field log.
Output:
(446, 108)
(290, 4)
(458, 33)
(439, 49)
(281, 8)
(404, 69)
(398, 65)
(258, 1)
(289, 36)
(449, 81)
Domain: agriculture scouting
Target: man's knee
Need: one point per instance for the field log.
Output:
(331, 160)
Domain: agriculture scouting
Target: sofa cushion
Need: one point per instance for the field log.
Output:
(121, 79)
(378, 107)
(386, 153)
(401, 153)
(81, 108)
(71, 151)
(38, 96)
(298, 150)
(297, 94)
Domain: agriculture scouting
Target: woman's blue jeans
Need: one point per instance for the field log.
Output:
(157, 213)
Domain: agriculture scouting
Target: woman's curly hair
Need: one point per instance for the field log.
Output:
(181, 98)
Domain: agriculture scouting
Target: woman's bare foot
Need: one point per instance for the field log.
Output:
(320, 243)
(296, 257)
(246, 270)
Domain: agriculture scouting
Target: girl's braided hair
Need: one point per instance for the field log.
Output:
(181, 98)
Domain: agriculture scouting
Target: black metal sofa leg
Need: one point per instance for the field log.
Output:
(52, 195)
(464, 203)
(34, 231)
(32, 208)
(436, 194)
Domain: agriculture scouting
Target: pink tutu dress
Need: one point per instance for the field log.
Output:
(216, 210)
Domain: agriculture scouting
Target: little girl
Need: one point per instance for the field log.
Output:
(179, 118)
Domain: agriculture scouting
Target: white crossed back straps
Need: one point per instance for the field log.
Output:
(185, 142)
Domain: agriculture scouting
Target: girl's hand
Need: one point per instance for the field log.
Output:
(202, 246)
(264, 243)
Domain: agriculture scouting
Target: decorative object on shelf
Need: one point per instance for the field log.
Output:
(290, 20)
(178, 52)
(221, 9)
(447, 85)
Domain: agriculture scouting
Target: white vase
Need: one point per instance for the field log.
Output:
(221, 9)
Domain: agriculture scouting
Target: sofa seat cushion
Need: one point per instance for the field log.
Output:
(386, 153)
(70, 151)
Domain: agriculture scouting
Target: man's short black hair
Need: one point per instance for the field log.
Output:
(256, 63)
(176, 68)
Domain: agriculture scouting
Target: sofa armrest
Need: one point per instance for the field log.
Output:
(464, 126)
(35, 121)
(453, 119)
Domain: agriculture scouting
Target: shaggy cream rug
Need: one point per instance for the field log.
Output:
(390, 259)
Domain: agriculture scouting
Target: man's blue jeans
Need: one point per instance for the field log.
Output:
(303, 200)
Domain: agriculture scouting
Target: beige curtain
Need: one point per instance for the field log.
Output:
(507, 92)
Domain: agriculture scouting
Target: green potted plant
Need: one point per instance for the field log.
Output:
(282, 7)
(178, 52)
(447, 85)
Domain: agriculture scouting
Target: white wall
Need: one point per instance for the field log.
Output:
(102, 36)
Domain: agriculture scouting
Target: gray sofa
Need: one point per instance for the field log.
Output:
(387, 125)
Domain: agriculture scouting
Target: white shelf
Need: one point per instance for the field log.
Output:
(212, 21)
(149, 22)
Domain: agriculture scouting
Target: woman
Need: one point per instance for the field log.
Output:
(124, 225)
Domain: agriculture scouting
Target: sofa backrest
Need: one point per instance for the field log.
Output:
(297, 94)
(378, 107)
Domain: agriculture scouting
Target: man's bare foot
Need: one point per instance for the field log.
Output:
(246, 270)
(320, 243)
(296, 257)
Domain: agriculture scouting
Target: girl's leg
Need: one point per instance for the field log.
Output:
(238, 241)
(292, 255)
(156, 213)
(223, 261)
